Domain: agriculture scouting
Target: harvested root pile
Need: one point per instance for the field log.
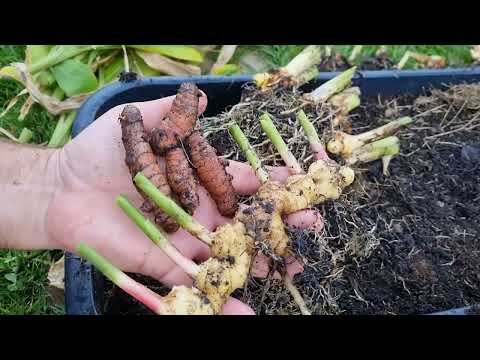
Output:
(175, 133)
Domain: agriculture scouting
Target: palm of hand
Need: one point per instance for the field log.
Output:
(93, 173)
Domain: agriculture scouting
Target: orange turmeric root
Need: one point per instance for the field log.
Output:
(212, 174)
(181, 179)
(166, 141)
(180, 121)
(140, 157)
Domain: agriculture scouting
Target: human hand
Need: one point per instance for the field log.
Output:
(92, 173)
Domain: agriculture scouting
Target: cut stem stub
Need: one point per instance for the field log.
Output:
(271, 131)
(316, 145)
(249, 152)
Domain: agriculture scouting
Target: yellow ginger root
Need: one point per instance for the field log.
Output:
(325, 180)
(227, 271)
(183, 300)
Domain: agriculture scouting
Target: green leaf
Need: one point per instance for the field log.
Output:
(60, 53)
(12, 277)
(111, 71)
(74, 77)
(35, 53)
(227, 69)
(181, 52)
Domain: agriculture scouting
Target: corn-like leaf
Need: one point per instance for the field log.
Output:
(74, 77)
(60, 53)
(35, 53)
(168, 66)
(180, 52)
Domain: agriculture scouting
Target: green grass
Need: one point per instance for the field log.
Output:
(23, 274)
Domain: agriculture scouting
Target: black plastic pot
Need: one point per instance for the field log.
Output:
(83, 284)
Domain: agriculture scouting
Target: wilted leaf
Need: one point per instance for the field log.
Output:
(141, 67)
(227, 69)
(75, 77)
(13, 101)
(226, 53)
(99, 61)
(181, 52)
(168, 66)
(56, 280)
(475, 51)
(8, 134)
(53, 105)
(11, 72)
(24, 110)
(56, 274)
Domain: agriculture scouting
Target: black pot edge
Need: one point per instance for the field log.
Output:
(81, 271)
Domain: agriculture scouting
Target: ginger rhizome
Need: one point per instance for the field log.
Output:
(188, 156)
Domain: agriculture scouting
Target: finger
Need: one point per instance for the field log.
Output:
(154, 111)
(236, 307)
(261, 267)
(246, 182)
(306, 219)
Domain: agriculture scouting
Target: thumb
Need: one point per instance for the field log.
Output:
(236, 307)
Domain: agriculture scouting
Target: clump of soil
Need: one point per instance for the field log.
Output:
(403, 244)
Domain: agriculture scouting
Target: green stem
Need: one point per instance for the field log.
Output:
(140, 292)
(307, 75)
(308, 57)
(332, 86)
(389, 146)
(144, 224)
(25, 136)
(248, 151)
(62, 130)
(172, 209)
(269, 128)
(316, 145)
(344, 144)
(157, 237)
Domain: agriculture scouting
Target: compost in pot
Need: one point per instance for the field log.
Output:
(401, 244)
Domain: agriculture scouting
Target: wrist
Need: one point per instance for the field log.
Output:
(29, 179)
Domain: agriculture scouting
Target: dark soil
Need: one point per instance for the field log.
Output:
(408, 243)
(338, 62)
